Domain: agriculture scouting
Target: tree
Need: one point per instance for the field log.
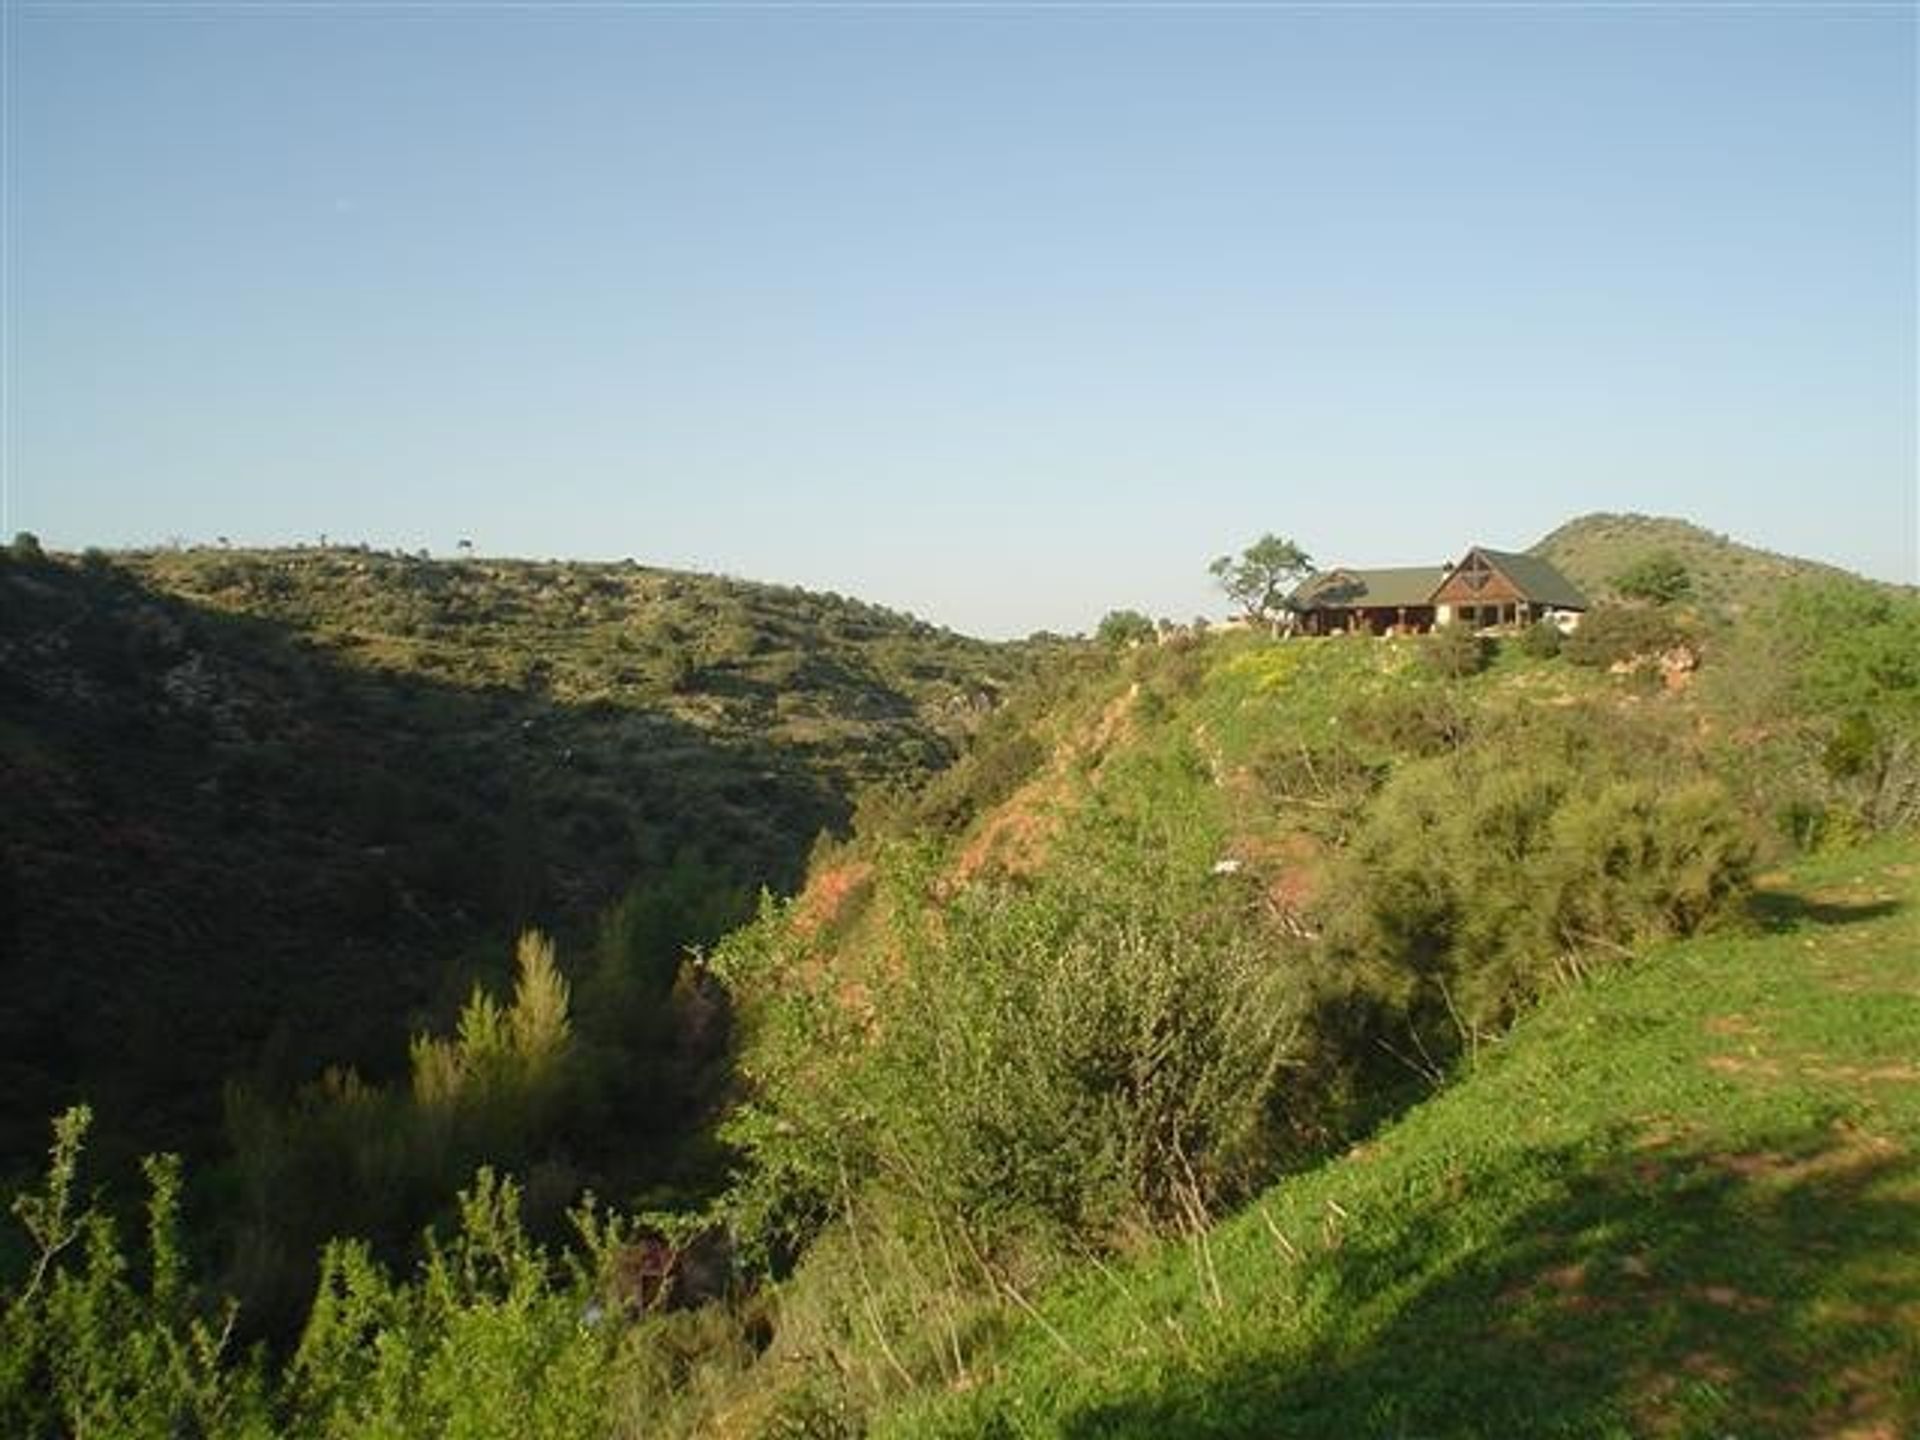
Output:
(1660, 578)
(1121, 628)
(1259, 579)
(26, 547)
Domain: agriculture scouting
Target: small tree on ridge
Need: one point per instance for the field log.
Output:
(1260, 577)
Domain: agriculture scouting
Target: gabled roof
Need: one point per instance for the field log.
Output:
(1534, 577)
(1348, 589)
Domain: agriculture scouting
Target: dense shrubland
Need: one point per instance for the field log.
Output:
(275, 811)
(1186, 917)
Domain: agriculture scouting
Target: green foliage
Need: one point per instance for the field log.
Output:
(1677, 1202)
(1089, 1066)
(500, 1054)
(1259, 579)
(1830, 678)
(1004, 755)
(1483, 879)
(1725, 577)
(1455, 651)
(87, 1348)
(481, 1333)
(1541, 641)
(1660, 578)
(26, 548)
(1121, 628)
(1616, 634)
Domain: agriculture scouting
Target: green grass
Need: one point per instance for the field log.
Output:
(1682, 1201)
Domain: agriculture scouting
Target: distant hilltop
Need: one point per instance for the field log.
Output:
(1594, 549)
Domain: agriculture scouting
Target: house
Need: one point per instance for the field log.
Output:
(1498, 587)
(1484, 588)
(1379, 602)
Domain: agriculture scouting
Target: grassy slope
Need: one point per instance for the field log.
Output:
(1684, 1201)
(270, 810)
(1727, 575)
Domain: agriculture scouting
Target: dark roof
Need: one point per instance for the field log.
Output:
(1535, 578)
(1345, 589)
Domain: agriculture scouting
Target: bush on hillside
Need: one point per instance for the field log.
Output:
(1541, 641)
(1054, 1062)
(1412, 719)
(1482, 880)
(1091, 1068)
(1828, 684)
(1661, 578)
(1122, 628)
(1455, 651)
(1611, 634)
(1003, 756)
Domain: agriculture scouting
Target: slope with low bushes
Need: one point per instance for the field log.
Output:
(1681, 1200)
(270, 811)
(1596, 551)
(1467, 961)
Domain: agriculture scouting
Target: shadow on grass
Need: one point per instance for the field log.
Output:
(1778, 911)
(1662, 1291)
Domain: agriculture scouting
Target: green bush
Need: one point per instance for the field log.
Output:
(1482, 880)
(1056, 1061)
(1003, 756)
(1091, 1067)
(1121, 628)
(1610, 634)
(1541, 641)
(1661, 578)
(1455, 651)
(90, 1347)
(1826, 689)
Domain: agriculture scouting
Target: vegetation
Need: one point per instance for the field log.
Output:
(1725, 577)
(1120, 628)
(1660, 578)
(272, 815)
(1259, 578)
(1457, 650)
(1352, 1035)
(1677, 1201)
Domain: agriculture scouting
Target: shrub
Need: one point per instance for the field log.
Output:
(483, 1331)
(1413, 719)
(85, 1348)
(1610, 634)
(1482, 880)
(1660, 579)
(1455, 651)
(1541, 640)
(1086, 1066)
(1121, 628)
(1823, 692)
(1003, 756)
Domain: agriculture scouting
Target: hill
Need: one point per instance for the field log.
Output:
(1727, 576)
(1387, 1035)
(271, 811)
(1395, 920)
(1681, 1202)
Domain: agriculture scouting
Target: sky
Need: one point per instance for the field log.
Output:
(1006, 315)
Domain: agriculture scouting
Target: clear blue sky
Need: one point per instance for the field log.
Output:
(1007, 316)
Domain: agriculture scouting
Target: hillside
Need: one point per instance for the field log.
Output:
(1683, 1202)
(269, 812)
(1389, 1036)
(1727, 576)
(1397, 925)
